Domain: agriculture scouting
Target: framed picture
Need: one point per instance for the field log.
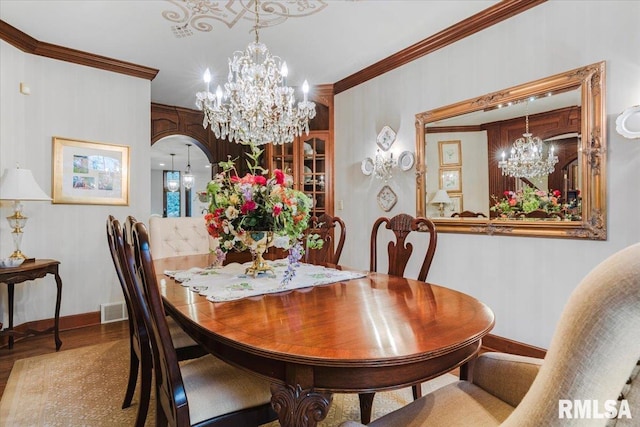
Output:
(90, 173)
(450, 153)
(451, 179)
(456, 203)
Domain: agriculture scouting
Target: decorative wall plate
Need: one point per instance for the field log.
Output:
(628, 122)
(405, 161)
(387, 199)
(367, 166)
(386, 138)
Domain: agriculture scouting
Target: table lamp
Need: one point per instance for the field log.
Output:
(17, 185)
(441, 198)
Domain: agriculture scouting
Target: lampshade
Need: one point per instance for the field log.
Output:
(441, 197)
(19, 184)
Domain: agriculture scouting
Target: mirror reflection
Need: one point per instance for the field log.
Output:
(526, 160)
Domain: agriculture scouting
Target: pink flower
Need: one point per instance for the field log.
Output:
(259, 180)
(279, 176)
(249, 205)
(277, 209)
(556, 193)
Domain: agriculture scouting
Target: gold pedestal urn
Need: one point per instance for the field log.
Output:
(258, 242)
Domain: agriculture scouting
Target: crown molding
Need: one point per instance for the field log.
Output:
(30, 45)
(484, 19)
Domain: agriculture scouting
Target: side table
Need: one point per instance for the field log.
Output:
(25, 272)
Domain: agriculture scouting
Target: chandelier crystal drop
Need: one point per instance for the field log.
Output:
(527, 157)
(256, 106)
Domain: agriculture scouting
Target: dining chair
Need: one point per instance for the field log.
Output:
(179, 236)
(399, 252)
(325, 226)
(592, 360)
(203, 391)
(139, 347)
(468, 214)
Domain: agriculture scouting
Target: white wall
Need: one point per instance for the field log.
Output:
(76, 102)
(526, 281)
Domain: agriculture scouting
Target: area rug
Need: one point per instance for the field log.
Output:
(85, 387)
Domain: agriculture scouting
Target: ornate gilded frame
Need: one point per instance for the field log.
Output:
(593, 148)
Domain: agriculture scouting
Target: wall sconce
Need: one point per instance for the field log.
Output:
(383, 164)
(441, 198)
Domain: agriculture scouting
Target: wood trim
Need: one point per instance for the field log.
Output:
(505, 345)
(484, 19)
(73, 321)
(30, 45)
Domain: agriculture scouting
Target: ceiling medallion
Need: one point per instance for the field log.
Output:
(195, 13)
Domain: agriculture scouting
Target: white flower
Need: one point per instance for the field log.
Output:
(232, 212)
(281, 242)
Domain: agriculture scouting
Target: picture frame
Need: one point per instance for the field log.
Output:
(450, 153)
(451, 179)
(90, 173)
(456, 203)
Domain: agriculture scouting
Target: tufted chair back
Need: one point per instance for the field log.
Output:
(178, 236)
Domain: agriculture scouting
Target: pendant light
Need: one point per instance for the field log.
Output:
(173, 184)
(187, 178)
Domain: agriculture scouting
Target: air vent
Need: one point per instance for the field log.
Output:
(113, 312)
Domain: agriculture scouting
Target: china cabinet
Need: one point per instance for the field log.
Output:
(309, 159)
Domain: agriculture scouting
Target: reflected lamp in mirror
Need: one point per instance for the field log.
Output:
(19, 185)
(441, 198)
(628, 122)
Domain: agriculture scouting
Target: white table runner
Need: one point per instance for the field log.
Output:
(230, 282)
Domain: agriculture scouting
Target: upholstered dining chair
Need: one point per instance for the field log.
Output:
(326, 227)
(179, 236)
(139, 347)
(592, 359)
(203, 391)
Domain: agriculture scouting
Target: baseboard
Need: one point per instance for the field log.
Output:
(505, 345)
(73, 321)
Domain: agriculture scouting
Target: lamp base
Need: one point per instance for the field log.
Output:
(18, 254)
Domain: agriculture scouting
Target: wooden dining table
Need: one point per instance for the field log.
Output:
(364, 335)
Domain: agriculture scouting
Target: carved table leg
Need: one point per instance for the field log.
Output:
(299, 408)
(10, 291)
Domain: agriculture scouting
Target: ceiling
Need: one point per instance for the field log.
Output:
(322, 41)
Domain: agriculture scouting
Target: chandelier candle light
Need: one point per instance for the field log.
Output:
(256, 106)
(526, 159)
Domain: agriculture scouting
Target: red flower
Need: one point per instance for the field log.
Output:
(249, 205)
(506, 193)
(279, 176)
(276, 210)
(556, 193)
(260, 180)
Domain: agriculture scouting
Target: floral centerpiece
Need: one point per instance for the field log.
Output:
(526, 200)
(257, 211)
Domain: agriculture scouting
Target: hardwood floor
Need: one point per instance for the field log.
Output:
(43, 344)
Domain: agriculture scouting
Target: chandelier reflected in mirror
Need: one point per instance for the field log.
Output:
(256, 106)
(527, 158)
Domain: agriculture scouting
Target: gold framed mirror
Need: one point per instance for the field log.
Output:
(566, 198)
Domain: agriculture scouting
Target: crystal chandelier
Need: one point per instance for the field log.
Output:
(527, 157)
(256, 106)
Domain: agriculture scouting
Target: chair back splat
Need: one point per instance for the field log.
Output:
(400, 252)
